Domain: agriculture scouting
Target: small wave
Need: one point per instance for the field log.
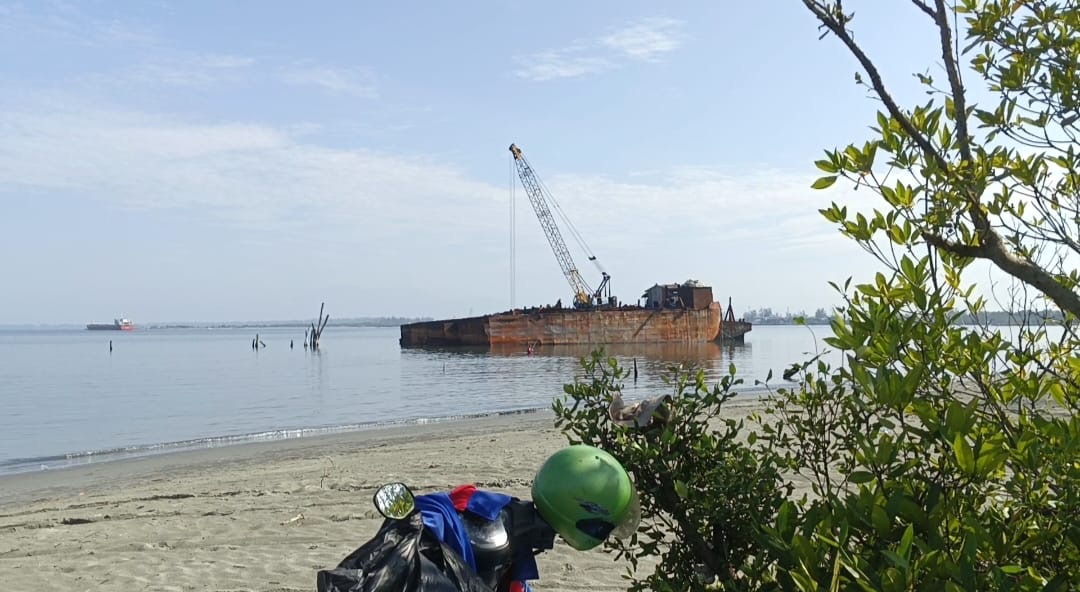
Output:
(73, 459)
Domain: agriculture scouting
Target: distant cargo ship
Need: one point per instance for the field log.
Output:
(116, 325)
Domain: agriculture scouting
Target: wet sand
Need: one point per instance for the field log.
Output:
(263, 516)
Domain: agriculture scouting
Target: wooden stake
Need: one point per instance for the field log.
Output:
(318, 326)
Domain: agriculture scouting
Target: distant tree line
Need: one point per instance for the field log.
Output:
(1023, 317)
(767, 316)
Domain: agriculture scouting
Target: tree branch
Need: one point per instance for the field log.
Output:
(960, 250)
(991, 246)
(963, 138)
(1027, 272)
(925, 8)
(836, 26)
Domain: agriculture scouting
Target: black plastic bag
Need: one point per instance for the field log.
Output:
(403, 556)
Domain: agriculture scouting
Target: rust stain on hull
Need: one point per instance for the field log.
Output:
(569, 327)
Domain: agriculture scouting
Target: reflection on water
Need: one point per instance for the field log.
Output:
(64, 392)
(652, 360)
(703, 353)
(503, 374)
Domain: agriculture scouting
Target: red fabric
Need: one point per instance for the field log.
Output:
(517, 586)
(460, 496)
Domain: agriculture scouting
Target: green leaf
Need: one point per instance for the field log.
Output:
(964, 456)
(991, 458)
(858, 477)
(824, 182)
(681, 489)
(895, 559)
(826, 166)
(905, 541)
(1057, 391)
(880, 519)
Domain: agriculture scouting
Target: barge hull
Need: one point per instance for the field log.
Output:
(555, 326)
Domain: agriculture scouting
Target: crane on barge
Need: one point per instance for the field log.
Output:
(584, 296)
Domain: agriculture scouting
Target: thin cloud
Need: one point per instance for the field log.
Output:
(246, 174)
(260, 175)
(647, 40)
(351, 82)
(770, 207)
(187, 70)
(551, 65)
(67, 23)
(148, 58)
(416, 221)
(156, 60)
(644, 41)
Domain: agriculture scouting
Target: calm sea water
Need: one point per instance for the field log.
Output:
(68, 400)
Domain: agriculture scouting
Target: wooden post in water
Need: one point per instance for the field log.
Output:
(317, 328)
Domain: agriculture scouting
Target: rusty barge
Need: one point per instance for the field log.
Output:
(673, 313)
(666, 313)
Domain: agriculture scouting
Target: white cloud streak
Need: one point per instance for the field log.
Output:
(67, 23)
(551, 65)
(153, 60)
(644, 41)
(247, 174)
(185, 70)
(412, 220)
(351, 82)
(265, 176)
(773, 207)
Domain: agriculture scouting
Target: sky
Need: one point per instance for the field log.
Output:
(217, 161)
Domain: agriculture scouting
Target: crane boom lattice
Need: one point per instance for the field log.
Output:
(582, 292)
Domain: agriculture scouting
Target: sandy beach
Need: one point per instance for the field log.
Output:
(263, 516)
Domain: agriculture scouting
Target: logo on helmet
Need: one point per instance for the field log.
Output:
(592, 507)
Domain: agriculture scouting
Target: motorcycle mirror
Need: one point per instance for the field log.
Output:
(394, 501)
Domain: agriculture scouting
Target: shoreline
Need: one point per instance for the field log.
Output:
(74, 460)
(260, 516)
(18, 486)
(266, 516)
(70, 460)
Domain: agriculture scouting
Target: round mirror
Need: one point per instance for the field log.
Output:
(394, 500)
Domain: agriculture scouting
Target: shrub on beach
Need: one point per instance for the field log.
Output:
(940, 456)
(704, 492)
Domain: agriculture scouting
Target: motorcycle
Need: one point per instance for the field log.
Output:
(467, 540)
(472, 540)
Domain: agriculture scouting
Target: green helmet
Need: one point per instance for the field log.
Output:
(585, 495)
